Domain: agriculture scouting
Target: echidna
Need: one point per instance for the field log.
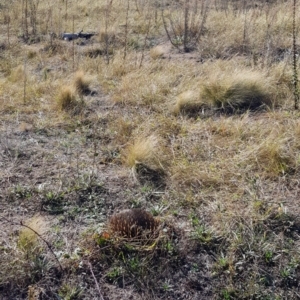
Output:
(133, 222)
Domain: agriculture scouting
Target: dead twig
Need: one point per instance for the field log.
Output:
(35, 232)
(96, 282)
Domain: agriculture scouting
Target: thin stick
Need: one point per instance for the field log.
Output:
(46, 242)
(7, 20)
(295, 75)
(166, 27)
(73, 45)
(145, 40)
(66, 13)
(186, 25)
(106, 38)
(96, 282)
(126, 31)
(25, 18)
(25, 81)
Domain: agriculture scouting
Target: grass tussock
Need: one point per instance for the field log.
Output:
(275, 157)
(146, 151)
(66, 99)
(239, 92)
(157, 52)
(28, 239)
(82, 83)
(147, 158)
(189, 103)
(56, 47)
(24, 261)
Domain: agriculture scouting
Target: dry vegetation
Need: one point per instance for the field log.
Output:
(182, 109)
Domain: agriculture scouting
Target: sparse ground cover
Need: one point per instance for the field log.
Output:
(183, 109)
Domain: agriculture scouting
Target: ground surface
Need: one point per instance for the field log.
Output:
(130, 120)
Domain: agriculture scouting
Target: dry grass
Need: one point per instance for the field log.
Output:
(157, 52)
(28, 240)
(82, 83)
(147, 158)
(238, 92)
(210, 136)
(26, 256)
(147, 151)
(66, 99)
(153, 85)
(189, 103)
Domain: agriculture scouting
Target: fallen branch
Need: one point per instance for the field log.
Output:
(35, 232)
(96, 282)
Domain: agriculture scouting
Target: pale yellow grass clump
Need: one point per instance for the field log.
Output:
(272, 148)
(188, 102)
(238, 91)
(227, 87)
(28, 239)
(66, 99)
(274, 158)
(157, 52)
(274, 154)
(148, 151)
(147, 157)
(82, 82)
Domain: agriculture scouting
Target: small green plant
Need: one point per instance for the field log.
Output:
(69, 292)
(102, 239)
(53, 202)
(22, 192)
(133, 264)
(269, 256)
(136, 203)
(228, 294)
(114, 274)
(288, 272)
(285, 273)
(158, 209)
(223, 262)
(146, 189)
(195, 220)
(169, 247)
(202, 235)
(167, 286)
